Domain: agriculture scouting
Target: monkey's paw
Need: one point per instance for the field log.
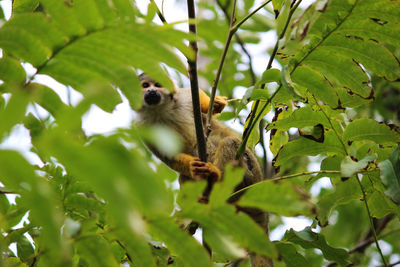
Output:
(219, 104)
(204, 170)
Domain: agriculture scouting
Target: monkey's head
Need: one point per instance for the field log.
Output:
(154, 94)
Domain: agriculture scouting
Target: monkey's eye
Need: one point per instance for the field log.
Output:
(145, 85)
(157, 85)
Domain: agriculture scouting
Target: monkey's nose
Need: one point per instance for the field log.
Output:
(152, 97)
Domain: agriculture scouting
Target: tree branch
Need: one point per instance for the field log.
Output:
(194, 85)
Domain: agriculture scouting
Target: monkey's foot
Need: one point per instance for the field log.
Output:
(204, 170)
(219, 104)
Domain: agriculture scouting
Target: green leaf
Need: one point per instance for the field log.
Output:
(368, 129)
(300, 118)
(282, 198)
(348, 166)
(80, 202)
(291, 257)
(93, 248)
(309, 239)
(4, 204)
(223, 245)
(15, 262)
(304, 146)
(277, 140)
(48, 99)
(380, 205)
(21, 6)
(259, 94)
(345, 192)
(239, 226)
(223, 190)
(136, 245)
(316, 83)
(288, 84)
(11, 71)
(17, 173)
(124, 178)
(390, 175)
(167, 141)
(76, 48)
(24, 249)
(270, 75)
(16, 106)
(14, 215)
(350, 39)
(192, 253)
(277, 6)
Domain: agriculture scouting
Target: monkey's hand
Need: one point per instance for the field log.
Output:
(219, 104)
(200, 170)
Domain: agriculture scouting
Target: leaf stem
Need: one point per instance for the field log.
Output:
(284, 178)
(371, 221)
(194, 85)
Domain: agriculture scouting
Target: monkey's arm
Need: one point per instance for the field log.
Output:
(219, 103)
(189, 166)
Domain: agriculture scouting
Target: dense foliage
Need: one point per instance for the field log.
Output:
(102, 200)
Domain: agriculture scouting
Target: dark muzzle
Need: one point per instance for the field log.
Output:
(152, 97)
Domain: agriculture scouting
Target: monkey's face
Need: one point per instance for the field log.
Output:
(154, 94)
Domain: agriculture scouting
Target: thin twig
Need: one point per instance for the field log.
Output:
(194, 84)
(253, 122)
(232, 30)
(220, 65)
(284, 178)
(392, 264)
(237, 25)
(241, 44)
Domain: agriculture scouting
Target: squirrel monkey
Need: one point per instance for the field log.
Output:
(174, 110)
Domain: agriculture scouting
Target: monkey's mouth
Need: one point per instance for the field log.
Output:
(152, 97)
